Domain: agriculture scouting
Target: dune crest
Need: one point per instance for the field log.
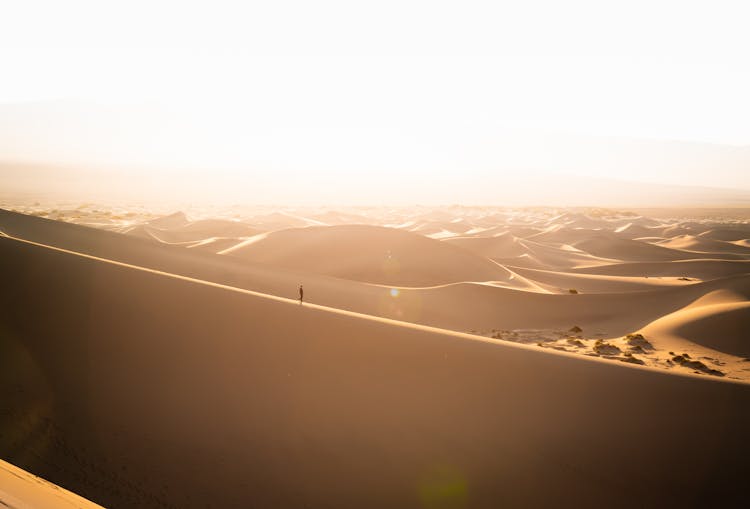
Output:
(491, 359)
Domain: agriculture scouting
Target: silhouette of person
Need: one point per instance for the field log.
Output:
(301, 294)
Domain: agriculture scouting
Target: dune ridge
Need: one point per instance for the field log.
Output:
(487, 376)
(290, 371)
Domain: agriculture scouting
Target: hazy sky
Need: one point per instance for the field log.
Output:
(389, 88)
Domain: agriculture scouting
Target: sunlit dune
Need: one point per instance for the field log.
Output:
(716, 321)
(414, 361)
(704, 245)
(371, 254)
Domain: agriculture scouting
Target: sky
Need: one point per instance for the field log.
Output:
(277, 92)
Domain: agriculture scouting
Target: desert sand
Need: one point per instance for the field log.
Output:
(21, 490)
(443, 357)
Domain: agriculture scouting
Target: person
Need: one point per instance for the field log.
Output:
(301, 293)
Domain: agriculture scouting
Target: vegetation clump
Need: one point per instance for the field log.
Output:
(575, 342)
(604, 348)
(699, 367)
(632, 360)
(572, 290)
(637, 340)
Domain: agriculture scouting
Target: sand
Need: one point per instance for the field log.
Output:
(145, 364)
(22, 490)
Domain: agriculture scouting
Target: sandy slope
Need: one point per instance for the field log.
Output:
(369, 253)
(462, 306)
(510, 250)
(252, 400)
(610, 246)
(22, 490)
(120, 334)
(700, 269)
(701, 244)
(593, 283)
(503, 245)
(178, 229)
(728, 234)
(718, 320)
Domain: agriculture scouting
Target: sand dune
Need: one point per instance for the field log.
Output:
(214, 244)
(577, 220)
(507, 249)
(354, 399)
(704, 245)
(591, 283)
(718, 320)
(726, 234)
(461, 306)
(240, 396)
(371, 254)
(504, 245)
(557, 234)
(177, 229)
(439, 229)
(610, 246)
(335, 217)
(280, 220)
(685, 228)
(700, 269)
(635, 230)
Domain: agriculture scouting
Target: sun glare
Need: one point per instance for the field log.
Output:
(244, 102)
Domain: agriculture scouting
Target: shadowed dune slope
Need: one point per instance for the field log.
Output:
(504, 245)
(723, 328)
(172, 232)
(635, 230)
(244, 400)
(369, 253)
(613, 313)
(717, 320)
(507, 249)
(704, 245)
(612, 246)
(701, 269)
(727, 233)
(559, 234)
(592, 283)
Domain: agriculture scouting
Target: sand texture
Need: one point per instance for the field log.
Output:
(22, 490)
(448, 357)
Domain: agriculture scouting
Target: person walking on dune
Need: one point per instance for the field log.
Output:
(301, 294)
